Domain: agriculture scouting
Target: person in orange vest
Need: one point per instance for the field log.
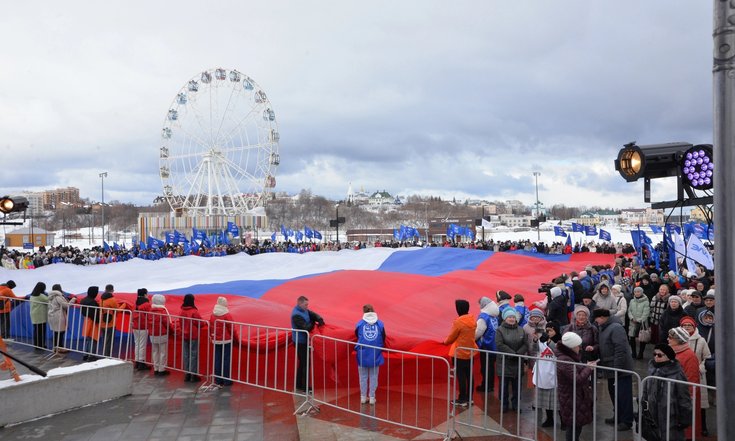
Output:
(6, 305)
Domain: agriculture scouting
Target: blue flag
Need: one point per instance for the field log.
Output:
(577, 228)
(232, 229)
(569, 240)
(671, 228)
(396, 234)
(317, 235)
(559, 231)
(169, 237)
(141, 245)
(604, 235)
(284, 232)
(187, 248)
(115, 246)
(299, 236)
(273, 237)
(105, 247)
(655, 229)
(308, 232)
(590, 230)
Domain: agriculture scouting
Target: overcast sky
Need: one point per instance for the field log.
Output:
(457, 99)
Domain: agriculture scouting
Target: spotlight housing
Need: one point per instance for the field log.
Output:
(12, 204)
(650, 161)
(697, 167)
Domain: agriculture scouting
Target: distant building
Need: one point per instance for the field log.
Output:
(515, 221)
(634, 216)
(698, 215)
(37, 236)
(381, 198)
(588, 218)
(35, 202)
(53, 198)
(514, 205)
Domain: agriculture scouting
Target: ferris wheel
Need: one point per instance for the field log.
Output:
(219, 145)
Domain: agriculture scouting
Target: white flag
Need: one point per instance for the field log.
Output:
(486, 223)
(696, 252)
(679, 248)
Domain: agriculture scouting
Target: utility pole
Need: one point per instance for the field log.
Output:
(538, 211)
(103, 175)
(723, 72)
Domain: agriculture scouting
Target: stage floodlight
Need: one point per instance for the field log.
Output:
(12, 204)
(697, 167)
(650, 161)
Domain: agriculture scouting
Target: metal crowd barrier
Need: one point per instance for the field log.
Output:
(258, 355)
(188, 355)
(667, 387)
(495, 418)
(91, 330)
(413, 389)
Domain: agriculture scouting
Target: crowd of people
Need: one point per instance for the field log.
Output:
(602, 317)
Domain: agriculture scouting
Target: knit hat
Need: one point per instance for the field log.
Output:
(680, 333)
(571, 340)
(667, 350)
(142, 292)
(555, 292)
(602, 312)
(92, 291)
(686, 319)
(671, 274)
(158, 300)
(654, 276)
(535, 313)
(222, 301)
(507, 312)
(462, 306)
(10, 284)
(617, 288)
(502, 295)
(581, 308)
(710, 294)
(484, 301)
(518, 298)
(676, 299)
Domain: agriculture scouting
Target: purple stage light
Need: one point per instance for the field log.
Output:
(697, 166)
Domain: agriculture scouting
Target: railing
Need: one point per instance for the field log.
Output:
(413, 389)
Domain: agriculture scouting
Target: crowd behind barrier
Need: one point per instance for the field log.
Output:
(101, 255)
(415, 391)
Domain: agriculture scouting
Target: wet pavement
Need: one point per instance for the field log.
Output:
(167, 408)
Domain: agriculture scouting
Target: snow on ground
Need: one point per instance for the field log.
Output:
(27, 378)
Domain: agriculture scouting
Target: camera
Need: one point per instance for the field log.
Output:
(546, 288)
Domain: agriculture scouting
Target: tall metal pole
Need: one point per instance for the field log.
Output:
(538, 212)
(336, 207)
(723, 72)
(103, 175)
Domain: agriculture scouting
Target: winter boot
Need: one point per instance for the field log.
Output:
(549, 419)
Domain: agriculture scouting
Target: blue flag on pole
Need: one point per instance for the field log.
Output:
(299, 236)
(317, 235)
(590, 230)
(577, 228)
(604, 235)
(308, 232)
(671, 228)
(284, 232)
(559, 231)
(273, 237)
(232, 229)
(169, 237)
(105, 247)
(655, 229)
(569, 240)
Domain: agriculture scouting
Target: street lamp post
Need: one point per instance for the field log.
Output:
(103, 175)
(336, 209)
(538, 211)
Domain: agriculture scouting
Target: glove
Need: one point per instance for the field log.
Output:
(320, 323)
(544, 338)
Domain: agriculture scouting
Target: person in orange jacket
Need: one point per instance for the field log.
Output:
(6, 305)
(108, 318)
(462, 335)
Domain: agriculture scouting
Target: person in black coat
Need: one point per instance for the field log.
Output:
(557, 310)
(671, 316)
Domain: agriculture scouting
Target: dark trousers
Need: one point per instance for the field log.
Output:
(108, 336)
(222, 356)
(59, 339)
(624, 409)
(39, 335)
(5, 324)
(487, 369)
(509, 401)
(573, 433)
(302, 355)
(463, 379)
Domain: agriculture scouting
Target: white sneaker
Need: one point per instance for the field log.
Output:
(372, 400)
(363, 399)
